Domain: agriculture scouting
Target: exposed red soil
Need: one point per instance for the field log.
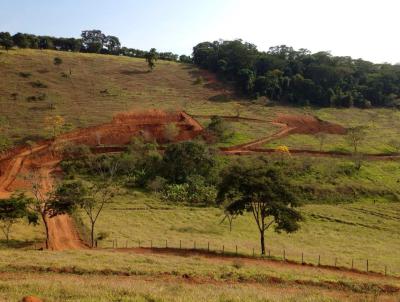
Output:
(46, 155)
(308, 124)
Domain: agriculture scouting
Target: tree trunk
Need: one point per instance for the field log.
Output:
(262, 242)
(47, 229)
(92, 235)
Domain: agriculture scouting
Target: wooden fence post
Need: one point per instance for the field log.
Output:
(236, 250)
(302, 258)
(180, 244)
(223, 249)
(116, 243)
(367, 265)
(166, 244)
(385, 270)
(284, 255)
(194, 244)
(253, 252)
(319, 260)
(269, 253)
(352, 263)
(151, 244)
(208, 246)
(335, 261)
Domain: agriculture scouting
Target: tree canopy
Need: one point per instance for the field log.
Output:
(261, 189)
(300, 77)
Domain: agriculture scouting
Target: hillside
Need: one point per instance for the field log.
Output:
(350, 215)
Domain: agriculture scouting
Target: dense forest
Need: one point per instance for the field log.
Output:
(300, 77)
(92, 41)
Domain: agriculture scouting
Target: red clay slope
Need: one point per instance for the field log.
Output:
(44, 158)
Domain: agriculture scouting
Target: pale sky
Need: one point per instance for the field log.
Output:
(359, 28)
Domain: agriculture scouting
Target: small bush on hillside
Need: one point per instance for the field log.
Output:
(24, 74)
(57, 61)
(171, 131)
(157, 184)
(38, 84)
(177, 193)
(199, 81)
(218, 130)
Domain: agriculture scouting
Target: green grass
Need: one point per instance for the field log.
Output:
(359, 231)
(115, 276)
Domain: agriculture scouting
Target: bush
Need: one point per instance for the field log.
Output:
(38, 84)
(218, 129)
(199, 192)
(57, 61)
(24, 74)
(199, 81)
(175, 193)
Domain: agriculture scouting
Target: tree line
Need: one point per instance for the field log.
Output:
(299, 77)
(91, 41)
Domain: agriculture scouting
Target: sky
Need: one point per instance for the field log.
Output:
(367, 29)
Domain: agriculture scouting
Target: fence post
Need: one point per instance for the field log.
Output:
(223, 249)
(126, 244)
(302, 258)
(319, 260)
(151, 244)
(236, 250)
(367, 265)
(194, 244)
(253, 251)
(385, 270)
(96, 243)
(335, 261)
(284, 255)
(116, 243)
(166, 244)
(139, 243)
(269, 253)
(208, 246)
(352, 263)
(180, 244)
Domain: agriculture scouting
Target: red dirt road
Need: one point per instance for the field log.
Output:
(44, 159)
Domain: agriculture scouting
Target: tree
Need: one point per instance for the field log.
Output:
(6, 40)
(14, 209)
(44, 204)
(184, 159)
(321, 137)
(20, 40)
(93, 40)
(91, 197)
(218, 129)
(262, 190)
(112, 44)
(151, 58)
(54, 125)
(355, 136)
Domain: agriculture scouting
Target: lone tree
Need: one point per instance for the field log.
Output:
(151, 58)
(355, 136)
(6, 40)
(321, 137)
(14, 209)
(44, 204)
(262, 190)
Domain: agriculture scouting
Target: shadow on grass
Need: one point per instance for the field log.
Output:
(18, 244)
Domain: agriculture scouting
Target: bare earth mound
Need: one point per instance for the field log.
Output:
(308, 124)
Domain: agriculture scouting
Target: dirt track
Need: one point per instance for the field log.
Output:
(44, 159)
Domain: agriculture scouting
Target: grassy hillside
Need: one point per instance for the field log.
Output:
(349, 215)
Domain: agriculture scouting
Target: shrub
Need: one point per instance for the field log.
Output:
(24, 74)
(218, 129)
(57, 61)
(199, 80)
(38, 84)
(175, 193)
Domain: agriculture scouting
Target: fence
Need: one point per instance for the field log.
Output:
(311, 259)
